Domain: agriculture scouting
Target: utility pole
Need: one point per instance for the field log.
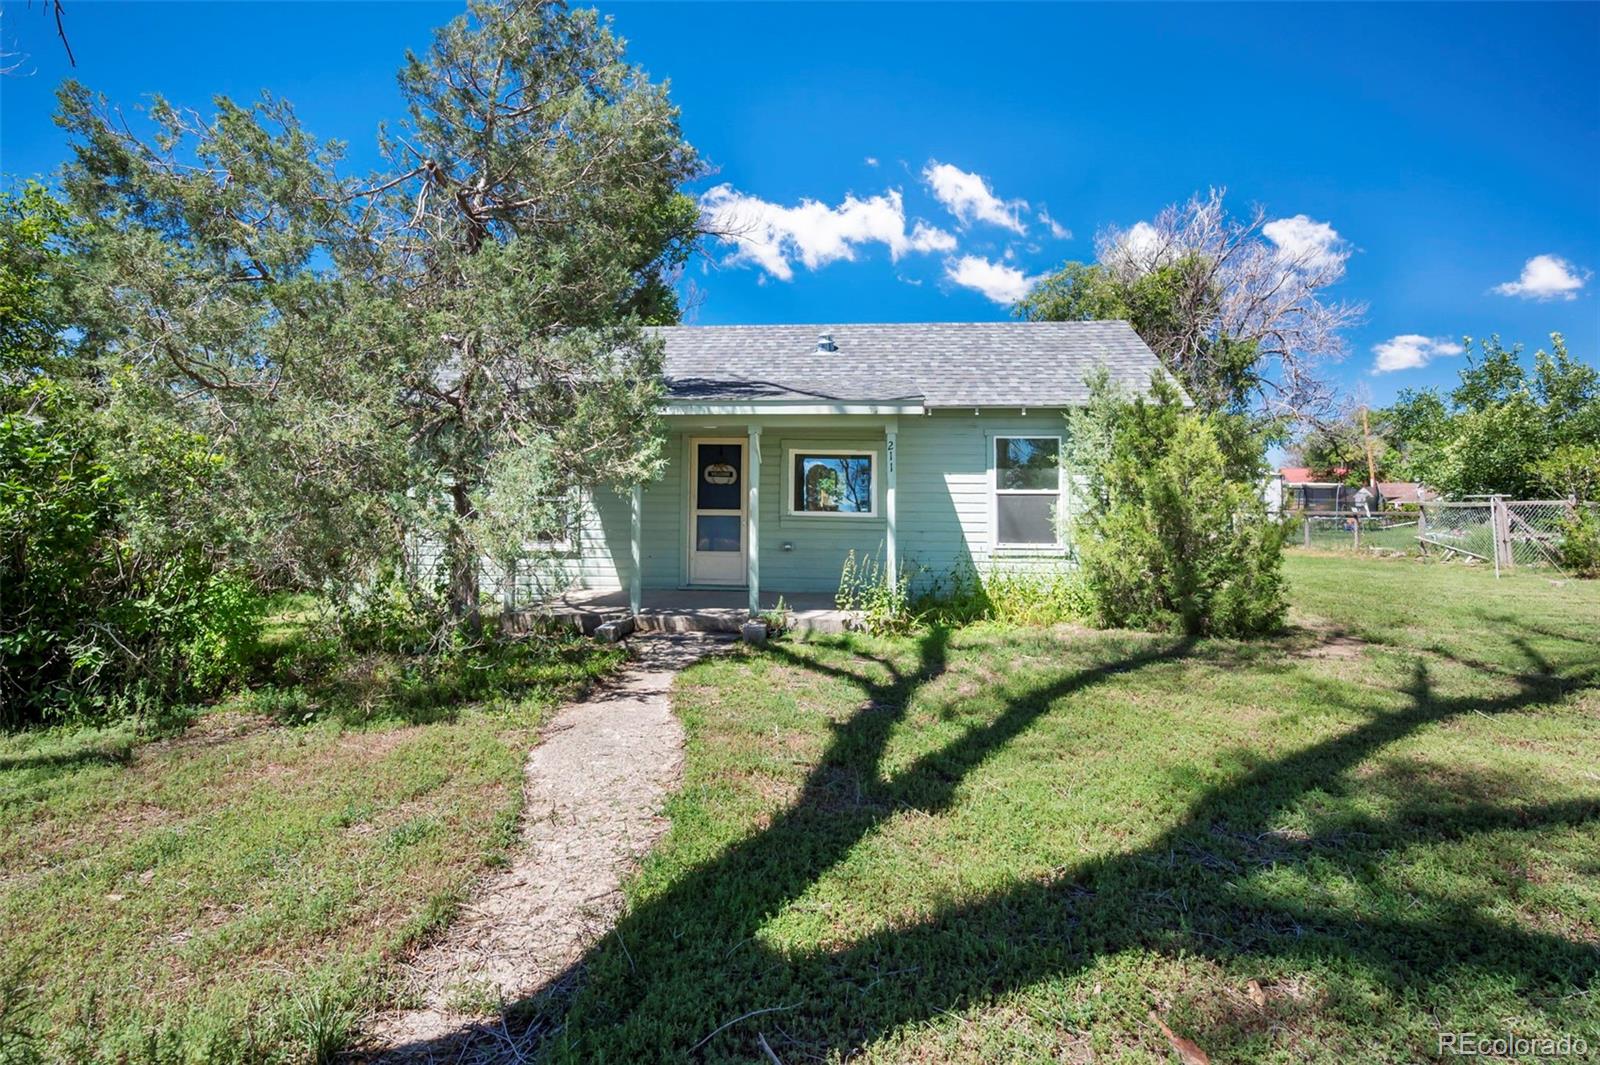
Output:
(1366, 439)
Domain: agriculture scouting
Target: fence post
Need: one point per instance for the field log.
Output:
(1355, 523)
(1305, 528)
(1504, 555)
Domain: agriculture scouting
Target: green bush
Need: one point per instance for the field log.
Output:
(1580, 543)
(1172, 536)
(98, 619)
(392, 614)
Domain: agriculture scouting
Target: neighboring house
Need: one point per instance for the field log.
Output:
(1397, 494)
(1304, 491)
(925, 446)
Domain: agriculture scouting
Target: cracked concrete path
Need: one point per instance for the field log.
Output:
(593, 791)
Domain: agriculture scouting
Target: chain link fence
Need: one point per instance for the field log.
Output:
(1502, 533)
(1357, 532)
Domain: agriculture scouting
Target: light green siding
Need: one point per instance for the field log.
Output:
(945, 491)
(944, 505)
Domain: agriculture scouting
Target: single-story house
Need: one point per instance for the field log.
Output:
(922, 446)
(1402, 493)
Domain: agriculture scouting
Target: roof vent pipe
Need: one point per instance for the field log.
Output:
(825, 342)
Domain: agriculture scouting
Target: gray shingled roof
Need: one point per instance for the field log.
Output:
(943, 364)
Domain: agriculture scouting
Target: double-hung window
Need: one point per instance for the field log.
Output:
(1027, 491)
(840, 483)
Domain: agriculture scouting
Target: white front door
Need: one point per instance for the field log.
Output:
(717, 495)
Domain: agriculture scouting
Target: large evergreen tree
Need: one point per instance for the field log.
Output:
(460, 328)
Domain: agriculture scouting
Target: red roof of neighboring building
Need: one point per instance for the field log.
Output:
(1303, 475)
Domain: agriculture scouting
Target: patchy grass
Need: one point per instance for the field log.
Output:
(1001, 844)
(233, 893)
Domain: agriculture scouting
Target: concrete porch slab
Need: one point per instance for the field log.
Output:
(691, 610)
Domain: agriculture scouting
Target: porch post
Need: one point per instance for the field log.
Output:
(753, 521)
(636, 528)
(891, 547)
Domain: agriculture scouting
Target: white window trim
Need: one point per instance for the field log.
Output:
(995, 492)
(869, 454)
(564, 545)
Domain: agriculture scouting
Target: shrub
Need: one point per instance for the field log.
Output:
(100, 618)
(393, 614)
(1580, 543)
(1172, 537)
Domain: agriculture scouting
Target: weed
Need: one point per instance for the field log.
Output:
(880, 600)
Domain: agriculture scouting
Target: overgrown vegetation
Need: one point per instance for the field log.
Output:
(1005, 596)
(229, 368)
(880, 600)
(1579, 543)
(117, 595)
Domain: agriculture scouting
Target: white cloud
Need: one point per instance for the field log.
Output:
(872, 160)
(1139, 247)
(1057, 230)
(999, 282)
(1307, 243)
(770, 236)
(969, 198)
(1546, 277)
(1410, 351)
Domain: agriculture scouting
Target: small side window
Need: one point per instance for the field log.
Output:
(1027, 491)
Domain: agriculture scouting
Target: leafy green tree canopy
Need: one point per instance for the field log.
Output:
(1506, 427)
(1233, 306)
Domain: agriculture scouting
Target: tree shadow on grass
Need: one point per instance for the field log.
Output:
(74, 758)
(685, 976)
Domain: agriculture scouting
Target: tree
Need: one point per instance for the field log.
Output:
(1170, 535)
(388, 353)
(1503, 429)
(111, 596)
(35, 277)
(1337, 448)
(1233, 306)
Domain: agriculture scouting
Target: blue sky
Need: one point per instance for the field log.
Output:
(1445, 146)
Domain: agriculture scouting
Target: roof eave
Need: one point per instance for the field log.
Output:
(744, 407)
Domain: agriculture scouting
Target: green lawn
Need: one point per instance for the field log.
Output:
(1012, 845)
(235, 892)
(973, 845)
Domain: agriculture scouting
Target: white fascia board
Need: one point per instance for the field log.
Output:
(749, 409)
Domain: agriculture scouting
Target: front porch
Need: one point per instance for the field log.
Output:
(691, 609)
(754, 506)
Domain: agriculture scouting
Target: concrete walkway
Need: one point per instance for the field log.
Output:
(593, 789)
(690, 610)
